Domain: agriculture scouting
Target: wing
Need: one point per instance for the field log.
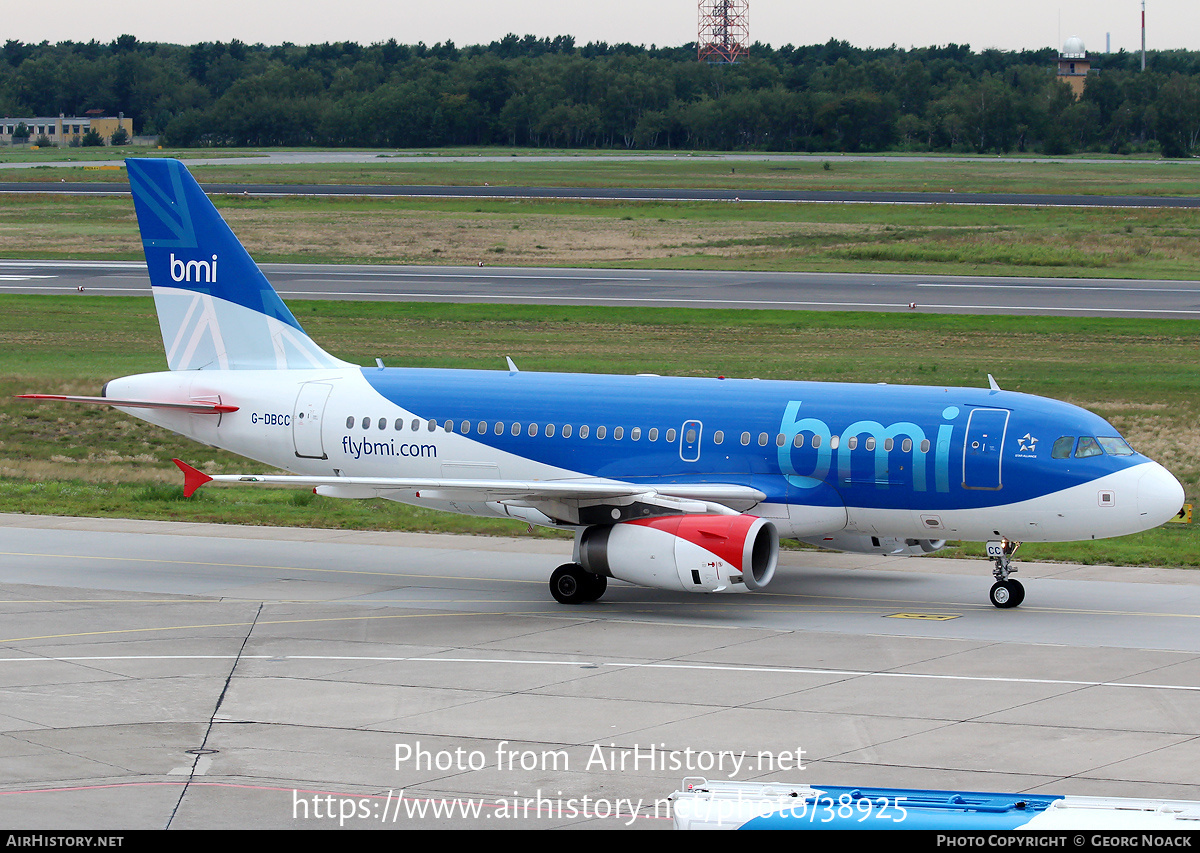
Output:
(560, 501)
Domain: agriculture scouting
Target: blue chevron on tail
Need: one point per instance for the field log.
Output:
(215, 307)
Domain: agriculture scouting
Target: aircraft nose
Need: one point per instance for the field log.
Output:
(1159, 494)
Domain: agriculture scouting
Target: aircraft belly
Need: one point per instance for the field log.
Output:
(1098, 509)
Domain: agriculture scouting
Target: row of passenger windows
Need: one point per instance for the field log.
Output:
(499, 428)
(618, 433)
(1089, 446)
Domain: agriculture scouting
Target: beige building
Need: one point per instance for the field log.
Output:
(62, 130)
(1074, 65)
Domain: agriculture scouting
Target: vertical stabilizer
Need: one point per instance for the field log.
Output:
(215, 307)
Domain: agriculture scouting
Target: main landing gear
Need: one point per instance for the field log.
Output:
(1005, 592)
(571, 584)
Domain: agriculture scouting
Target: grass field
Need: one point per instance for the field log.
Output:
(1086, 175)
(62, 459)
(930, 240)
(919, 239)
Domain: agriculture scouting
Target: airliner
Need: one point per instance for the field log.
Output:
(683, 484)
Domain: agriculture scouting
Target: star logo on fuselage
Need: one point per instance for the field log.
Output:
(1027, 444)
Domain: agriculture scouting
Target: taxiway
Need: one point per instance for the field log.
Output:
(655, 288)
(159, 674)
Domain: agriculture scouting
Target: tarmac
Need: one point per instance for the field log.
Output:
(174, 675)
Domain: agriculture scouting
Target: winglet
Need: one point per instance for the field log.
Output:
(192, 479)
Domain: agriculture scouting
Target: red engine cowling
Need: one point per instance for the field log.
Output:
(694, 553)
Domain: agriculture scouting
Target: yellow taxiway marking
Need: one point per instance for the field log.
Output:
(209, 563)
(262, 622)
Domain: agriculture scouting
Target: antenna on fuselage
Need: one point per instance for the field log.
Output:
(512, 368)
(993, 384)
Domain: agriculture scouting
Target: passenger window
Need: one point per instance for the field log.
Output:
(762, 439)
(584, 430)
(718, 437)
(416, 424)
(869, 444)
(516, 429)
(549, 430)
(852, 442)
(653, 436)
(816, 442)
(1087, 446)
(601, 432)
(906, 445)
(745, 438)
(780, 440)
(567, 431)
(888, 444)
(1062, 447)
(464, 427)
(366, 423)
(691, 436)
(399, 424)
(533, 429)
(834, 441)
(432, 424)
(618, 433)
(448, 426)
(635, 433)
(350, 422)
(798, 441)
(499, 430)
(482, 428)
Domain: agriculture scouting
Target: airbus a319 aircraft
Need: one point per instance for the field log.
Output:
(672, 483)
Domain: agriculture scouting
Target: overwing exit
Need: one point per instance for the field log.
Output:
(675, 483)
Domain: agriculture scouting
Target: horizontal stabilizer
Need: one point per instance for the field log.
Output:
(192, 478)
(196, 407)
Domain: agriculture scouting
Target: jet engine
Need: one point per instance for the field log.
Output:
(694, 553)
(892, 546)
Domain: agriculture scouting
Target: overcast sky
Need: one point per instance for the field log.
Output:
(1010, 25)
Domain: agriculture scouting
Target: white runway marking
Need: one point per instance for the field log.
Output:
(778, 670)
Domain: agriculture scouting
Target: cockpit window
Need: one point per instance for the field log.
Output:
(1114, 445)
(1087, 446)
(1062, 447)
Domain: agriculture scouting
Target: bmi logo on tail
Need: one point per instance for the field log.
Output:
(205, 271)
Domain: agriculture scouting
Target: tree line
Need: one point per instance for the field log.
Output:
(550, 92)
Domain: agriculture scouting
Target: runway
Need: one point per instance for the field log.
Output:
(643, 194)
(657, 288)
(161, 674)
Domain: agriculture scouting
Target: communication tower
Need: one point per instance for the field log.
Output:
(724, 30)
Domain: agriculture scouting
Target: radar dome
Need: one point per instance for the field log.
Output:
(1074, 47)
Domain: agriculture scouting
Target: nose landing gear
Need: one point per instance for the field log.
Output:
(1005, 592)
